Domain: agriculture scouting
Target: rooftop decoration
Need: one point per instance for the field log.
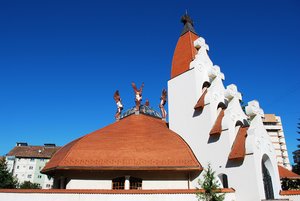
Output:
(163, 100)
(119, 105)
(138, 95)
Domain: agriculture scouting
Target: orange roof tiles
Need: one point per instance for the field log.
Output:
(200, 103)
(238, 150)
(137, 142)
(285, 173)
(290, 192)
(217, 128)
(184, 53)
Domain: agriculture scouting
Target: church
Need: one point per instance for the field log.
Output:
(141, 153)
(206, 125)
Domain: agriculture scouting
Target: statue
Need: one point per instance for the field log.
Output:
(147, 103)
(138, 95)
(119, 105)
(163, 100)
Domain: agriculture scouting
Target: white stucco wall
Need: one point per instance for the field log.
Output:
(97, 197)
(163, 184)
(146, 184)
(184, 92)
(89, 184)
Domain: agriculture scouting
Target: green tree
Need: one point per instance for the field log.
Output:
(211, 187)
(6, 178)
(29, 185)
(296, 155)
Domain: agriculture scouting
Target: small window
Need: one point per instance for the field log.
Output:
(18, 167)
(118, 183)
(30, 167)
(42, 159)
(224, 180)
(39, 176)
(40, 168)
(29, 176)
(48, 186)
(32, 159)
(135, 183)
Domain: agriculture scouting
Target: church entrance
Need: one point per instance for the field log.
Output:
(268, 186)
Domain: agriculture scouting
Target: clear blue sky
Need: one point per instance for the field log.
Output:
(61, 61)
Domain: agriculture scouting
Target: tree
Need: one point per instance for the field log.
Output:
(29, 185)
(296, 155)
(211, 187)
(7, 180)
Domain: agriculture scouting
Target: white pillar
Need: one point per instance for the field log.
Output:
(127, 184)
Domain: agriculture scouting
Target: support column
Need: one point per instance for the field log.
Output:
(127, 183)
(62, 183)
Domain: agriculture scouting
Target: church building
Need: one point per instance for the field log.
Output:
(207, 125)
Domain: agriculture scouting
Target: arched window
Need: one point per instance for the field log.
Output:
(118, 183)
(135, 183)
(224, 180)
(267, 179)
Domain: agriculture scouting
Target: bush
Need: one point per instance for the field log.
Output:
(210, 186)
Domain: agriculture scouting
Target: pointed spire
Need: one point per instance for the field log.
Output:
(185, 51)
(188, 24)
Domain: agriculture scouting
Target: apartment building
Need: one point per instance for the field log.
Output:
(274, 128)
(26, 162)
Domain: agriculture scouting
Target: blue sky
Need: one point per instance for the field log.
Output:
(61, 61)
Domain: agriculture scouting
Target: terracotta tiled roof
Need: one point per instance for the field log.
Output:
(184, 53)
(290, 192)
(137, 142)
(238, 150)
(285, 173)
(95, 191)
(33, 151)
(217, 128)
(200, 103)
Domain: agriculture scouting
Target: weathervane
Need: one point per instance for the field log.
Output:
(119, 105)
(138, 95)
(163, 100)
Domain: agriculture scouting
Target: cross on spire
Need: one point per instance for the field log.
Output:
(188, 24)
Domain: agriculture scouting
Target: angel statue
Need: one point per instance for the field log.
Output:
(119, 105)
(138, 95)
(163, 100)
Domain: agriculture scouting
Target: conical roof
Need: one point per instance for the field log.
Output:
(136, 142)
(185, 51)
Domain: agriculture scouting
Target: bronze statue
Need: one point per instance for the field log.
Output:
(138, 95)
(163, 100)
(119, 105)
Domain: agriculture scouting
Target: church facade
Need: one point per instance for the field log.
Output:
(142, 157)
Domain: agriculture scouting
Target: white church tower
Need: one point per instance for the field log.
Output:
(209, 117)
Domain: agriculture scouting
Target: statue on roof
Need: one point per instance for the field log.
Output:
(163, 100)
(119, 105)
(138, 95)
(147, 103)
